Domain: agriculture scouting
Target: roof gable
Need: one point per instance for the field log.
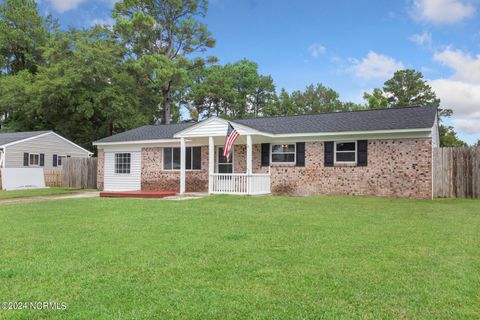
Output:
(10, 137)
(214, 127)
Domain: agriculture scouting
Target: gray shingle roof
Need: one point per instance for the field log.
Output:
(8, 137)
(367, 120)
(151, 132)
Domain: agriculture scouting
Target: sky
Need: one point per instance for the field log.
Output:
(351, 46)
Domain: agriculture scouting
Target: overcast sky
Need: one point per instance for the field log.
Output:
(351, 46)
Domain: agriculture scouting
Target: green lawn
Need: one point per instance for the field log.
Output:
(243, 257)
(33, 193)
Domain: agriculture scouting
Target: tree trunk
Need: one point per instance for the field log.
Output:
(166, 105)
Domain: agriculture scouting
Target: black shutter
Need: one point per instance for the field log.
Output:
(54, 163)
(265, 154)
(25, 159)
(300, 154)
(362, 153)
(42, 159)
(188, 158)
(197, 158)
(328, 154)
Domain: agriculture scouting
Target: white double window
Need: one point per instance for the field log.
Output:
(34, 159)
(193, 158)
(283, 153)
(346, 152)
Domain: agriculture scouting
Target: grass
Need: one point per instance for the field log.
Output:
(13, 194)
(33, 193)
(243, 257)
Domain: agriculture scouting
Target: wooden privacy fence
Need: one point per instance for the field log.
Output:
(456, 172)
(80, 173)
(53, 178)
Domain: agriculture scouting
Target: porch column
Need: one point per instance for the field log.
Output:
(249, 154)
(182, 165)
(211, 163)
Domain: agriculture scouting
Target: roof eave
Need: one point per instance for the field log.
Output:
(291, 135)
(115, 143)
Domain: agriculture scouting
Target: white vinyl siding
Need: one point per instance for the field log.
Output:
(215, 127)
(48, 145)
(124, 181)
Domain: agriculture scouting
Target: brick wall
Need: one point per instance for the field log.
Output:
(154, 178)
(396, 168)
(100, 168)
(240, 159)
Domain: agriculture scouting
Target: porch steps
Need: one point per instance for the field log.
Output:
(144, 194)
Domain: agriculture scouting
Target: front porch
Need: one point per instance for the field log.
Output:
(224, 177)
(239, 183)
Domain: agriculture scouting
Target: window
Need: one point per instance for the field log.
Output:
(345, 152)
(193, 158)
(122, 163)
(60, 160)
(34, 159)
(283, 153)
(224, 165)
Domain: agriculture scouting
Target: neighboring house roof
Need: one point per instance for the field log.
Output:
(364, 120)
(9, 137)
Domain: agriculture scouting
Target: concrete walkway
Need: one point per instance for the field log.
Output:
(77, 195)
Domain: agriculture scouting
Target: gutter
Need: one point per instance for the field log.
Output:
(271, 135)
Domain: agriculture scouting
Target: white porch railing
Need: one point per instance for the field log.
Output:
(239, 183)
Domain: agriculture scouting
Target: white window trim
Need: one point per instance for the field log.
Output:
(345, 162)
(280, 143)
(58, 157)
(218, 162)
(115, 164)
(178, 170)
(34, 165)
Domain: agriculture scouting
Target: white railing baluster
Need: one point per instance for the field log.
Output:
(240, 183)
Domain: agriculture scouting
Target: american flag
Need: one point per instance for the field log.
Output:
(232, 135)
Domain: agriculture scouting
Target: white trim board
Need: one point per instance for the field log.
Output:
(325, 136)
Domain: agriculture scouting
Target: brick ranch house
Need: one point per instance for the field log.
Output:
(376, 152)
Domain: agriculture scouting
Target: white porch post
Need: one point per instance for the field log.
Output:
(249, 154)
(182, 165)
(211, 163)
(249, 164)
